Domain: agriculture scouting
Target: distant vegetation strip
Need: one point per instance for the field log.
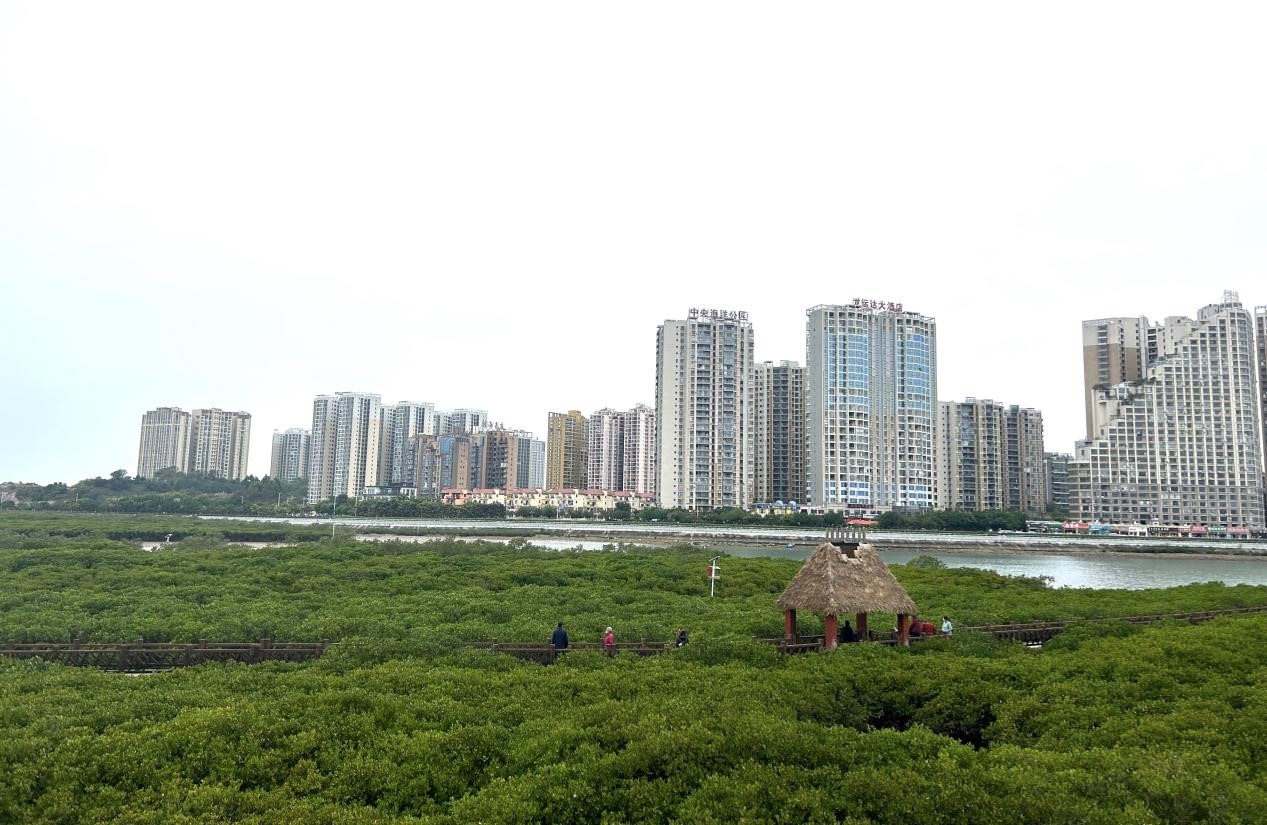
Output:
(171, 492)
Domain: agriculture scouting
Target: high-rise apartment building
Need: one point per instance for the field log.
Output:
(871, 404)
(1260, 326)
(164, 441)
(990, 457)
(530, 469)
(1114, 350)
(637, 443)
(704, 410)
(536, 464)
(605, 450)
(290, 455)
(343, 448)
(458, 466)
(219, 443)
(1057, 470)
(424, 466)
(972, 438)
(567, 454)
(461, 422)
(621, 449)
(779, 444)
(1182, 444)
(1027, 477)
(398, 423)
(499, 459)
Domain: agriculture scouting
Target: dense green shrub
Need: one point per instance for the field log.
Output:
(401, 722)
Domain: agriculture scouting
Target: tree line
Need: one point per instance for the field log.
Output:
(170, 491)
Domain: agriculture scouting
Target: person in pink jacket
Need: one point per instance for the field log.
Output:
(609, 642)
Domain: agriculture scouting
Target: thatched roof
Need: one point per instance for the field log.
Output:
(832, 583)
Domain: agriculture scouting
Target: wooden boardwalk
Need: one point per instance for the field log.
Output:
(1028, 633)
(149, 657)
(546, 654)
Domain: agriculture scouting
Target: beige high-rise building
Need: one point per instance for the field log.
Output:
(779, 447)
(1182, 444)
(1114, 350)
(219, 443)
(990, 457)
(1027, 475)
(289, 459)
(164, 441)
(704, 426)
(343, 449)
(972, 439)
(567, 452)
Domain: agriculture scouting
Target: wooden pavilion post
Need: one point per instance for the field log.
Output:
(789, 624)
(829, 631)
(903, 630)
(861, 620)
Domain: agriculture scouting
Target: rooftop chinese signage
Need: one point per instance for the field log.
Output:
(867, 303)
(716, 314)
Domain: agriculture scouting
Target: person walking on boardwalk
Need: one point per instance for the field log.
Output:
(681, 637)
(946, 627)
(609, 642)
(559, 638)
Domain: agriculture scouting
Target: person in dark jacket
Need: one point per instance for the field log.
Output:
(559, 638)
(681, 637)
(846, 634)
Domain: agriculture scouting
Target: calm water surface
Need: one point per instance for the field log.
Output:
(1084, 570)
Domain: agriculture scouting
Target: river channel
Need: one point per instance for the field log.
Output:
(1068, 561)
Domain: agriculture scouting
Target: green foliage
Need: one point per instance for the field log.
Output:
(970, 521)
(400, 722)
(168, 492)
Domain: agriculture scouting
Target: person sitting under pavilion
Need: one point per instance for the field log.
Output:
(847, 634)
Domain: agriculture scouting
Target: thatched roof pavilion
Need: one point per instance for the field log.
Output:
(843, 576)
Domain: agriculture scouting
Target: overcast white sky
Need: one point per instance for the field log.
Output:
(493, 205)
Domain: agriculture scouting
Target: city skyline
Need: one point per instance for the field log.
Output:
(273, 227)
(1088, 327)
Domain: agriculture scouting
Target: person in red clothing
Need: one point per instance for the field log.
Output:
(927, 629)
(609, 642)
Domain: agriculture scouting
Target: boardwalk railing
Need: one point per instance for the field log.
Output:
(1036, 633)
(545, 653)
(1029, 633)
(147, 657)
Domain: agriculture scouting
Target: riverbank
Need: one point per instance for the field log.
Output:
(933, 544)
(1015, 544)
(712, 535)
